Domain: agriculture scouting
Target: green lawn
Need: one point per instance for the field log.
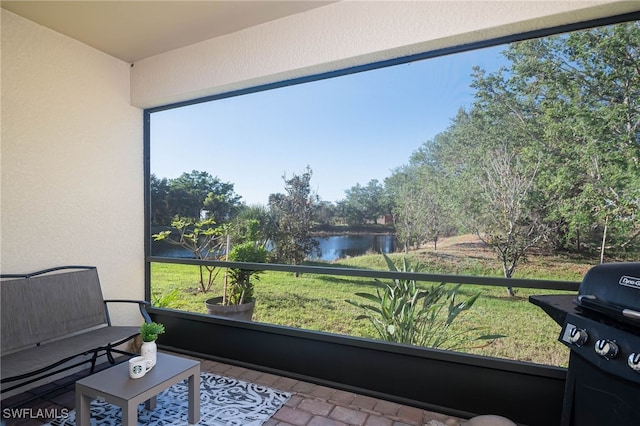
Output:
(317, 302)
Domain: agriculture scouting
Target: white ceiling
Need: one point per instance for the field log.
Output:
(134, 30)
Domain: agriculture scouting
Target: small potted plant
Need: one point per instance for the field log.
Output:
(149, 332)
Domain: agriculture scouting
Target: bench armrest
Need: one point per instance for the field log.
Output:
(142, 305)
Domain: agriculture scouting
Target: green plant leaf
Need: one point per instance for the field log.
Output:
(404, 312)
(491, 336)
(390, 265)
(370, 297)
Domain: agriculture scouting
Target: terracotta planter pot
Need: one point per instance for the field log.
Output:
(241, 312)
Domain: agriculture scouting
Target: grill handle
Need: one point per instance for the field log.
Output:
(591, 302)
(631, 314)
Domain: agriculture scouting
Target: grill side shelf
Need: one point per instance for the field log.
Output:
(556, 306)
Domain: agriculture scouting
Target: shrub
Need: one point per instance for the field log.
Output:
(241, 289)
(404, 313)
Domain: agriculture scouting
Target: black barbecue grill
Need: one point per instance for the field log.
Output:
(601, 326)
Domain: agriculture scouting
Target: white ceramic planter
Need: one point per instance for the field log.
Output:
(149, 351)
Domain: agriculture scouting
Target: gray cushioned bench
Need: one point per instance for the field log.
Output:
(56, 320)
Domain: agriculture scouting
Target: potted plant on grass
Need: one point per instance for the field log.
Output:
(149, 332)
(238, 301)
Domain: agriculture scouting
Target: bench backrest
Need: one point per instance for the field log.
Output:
(48, 307)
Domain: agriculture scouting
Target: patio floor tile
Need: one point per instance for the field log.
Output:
(304, 387)
(285, 384)
(309, 404)
(342, 397)
(293, 416)
(323, 392)
(411, 413)
(363, 401)
(386, 407)
(323, 421)
(266, 379)
(378, 421)
(348, 415)
(316, 406)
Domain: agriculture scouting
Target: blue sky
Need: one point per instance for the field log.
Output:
(349, 129)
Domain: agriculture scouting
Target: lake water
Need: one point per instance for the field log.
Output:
(340, 246)
(331, 248)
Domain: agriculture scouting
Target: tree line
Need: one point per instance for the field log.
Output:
(548, 153)
(203, 210)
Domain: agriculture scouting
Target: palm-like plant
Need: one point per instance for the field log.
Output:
(405, 313)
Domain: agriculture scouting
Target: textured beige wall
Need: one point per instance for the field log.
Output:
(342, 35)
(71, 175)
(71, 148)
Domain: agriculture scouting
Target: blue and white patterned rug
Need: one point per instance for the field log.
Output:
(223, 402)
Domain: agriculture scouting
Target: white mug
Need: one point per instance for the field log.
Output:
(137, 367)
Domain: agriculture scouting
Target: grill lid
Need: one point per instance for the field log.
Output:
(612, 289)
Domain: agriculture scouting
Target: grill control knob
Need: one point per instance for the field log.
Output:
(634, 361)
(606, 348)
(578, 336)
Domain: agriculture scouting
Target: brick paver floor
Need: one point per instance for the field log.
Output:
(309, 405)
(316, 405)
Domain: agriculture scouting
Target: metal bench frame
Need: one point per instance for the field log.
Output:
(52, 317)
